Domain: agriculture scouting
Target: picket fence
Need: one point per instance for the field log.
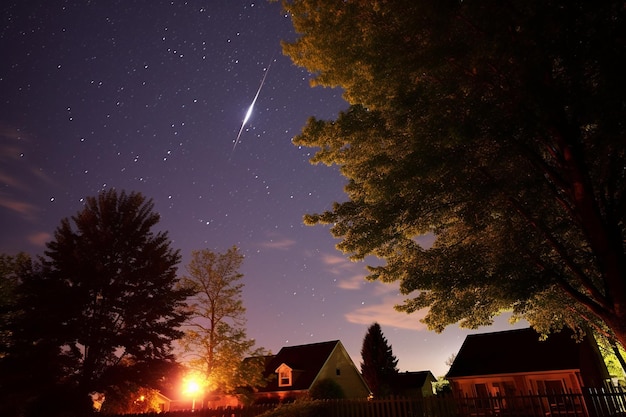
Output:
(601, 402)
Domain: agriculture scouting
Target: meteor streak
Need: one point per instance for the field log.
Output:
(249, 112)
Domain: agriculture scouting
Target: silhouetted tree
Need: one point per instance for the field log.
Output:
(31, 365)
(101, 309)
(496, 126)
(12, 268)
(379, 364)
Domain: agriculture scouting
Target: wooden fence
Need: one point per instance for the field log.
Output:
(591, 403)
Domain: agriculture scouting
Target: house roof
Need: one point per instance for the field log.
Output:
(306, 362)
(517, 351)
(412, 379)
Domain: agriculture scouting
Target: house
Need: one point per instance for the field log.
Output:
(162, 402)
(298, 368)
(517, 362)
(413, 384)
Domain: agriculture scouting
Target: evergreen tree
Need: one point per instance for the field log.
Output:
(379, 364)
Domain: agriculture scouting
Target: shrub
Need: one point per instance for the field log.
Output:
(299, 408)
(326, 389)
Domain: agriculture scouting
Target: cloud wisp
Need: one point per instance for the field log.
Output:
(351, 277)
(39, 239)
(25, 210)
(384, 314)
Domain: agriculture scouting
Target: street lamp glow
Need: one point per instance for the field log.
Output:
(191, 388)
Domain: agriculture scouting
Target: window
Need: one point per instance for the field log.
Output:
(550, 386)
(554, 386)
(503, 391)
(338, 372)
(284, 376)
(481, 390)
(504, 388)
(554, 390)
(482, 396)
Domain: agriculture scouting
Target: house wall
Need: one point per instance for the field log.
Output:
(162, 402)
(517, 384)
(415, 391)
(427, 389)
(279, 396)
(340, 368)
(221, 400)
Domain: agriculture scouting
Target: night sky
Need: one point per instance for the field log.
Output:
(149, 96)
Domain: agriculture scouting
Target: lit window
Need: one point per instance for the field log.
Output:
(284, 376)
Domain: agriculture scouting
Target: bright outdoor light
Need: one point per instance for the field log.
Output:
(192, 387)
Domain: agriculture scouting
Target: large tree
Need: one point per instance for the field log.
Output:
(497, 126)
(104, 307)
(379, 364)
(28, 355)
(215, 337)
(12, 267)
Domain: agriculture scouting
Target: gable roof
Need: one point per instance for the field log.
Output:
(519, 351)
(306, 362)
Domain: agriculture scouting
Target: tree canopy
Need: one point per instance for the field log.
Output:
(497, 126)
(102, 307)
(11, 269)
(379, 365)
(215, 335)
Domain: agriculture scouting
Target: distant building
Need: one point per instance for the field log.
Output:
(413, 384)
(163, 402)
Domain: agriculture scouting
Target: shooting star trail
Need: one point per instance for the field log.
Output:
(249, 112)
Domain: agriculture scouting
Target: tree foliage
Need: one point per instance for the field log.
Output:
(27, 363)
(131, 399)
(215, 334)
(102, 307)
(11, 269)
(613, 357)
(379, 365)
(497, 126)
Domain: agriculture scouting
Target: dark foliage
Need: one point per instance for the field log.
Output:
(495, 126)
(326, 389)
(99, 310)
(379, 363)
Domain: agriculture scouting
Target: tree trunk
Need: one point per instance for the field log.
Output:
(618, 354)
